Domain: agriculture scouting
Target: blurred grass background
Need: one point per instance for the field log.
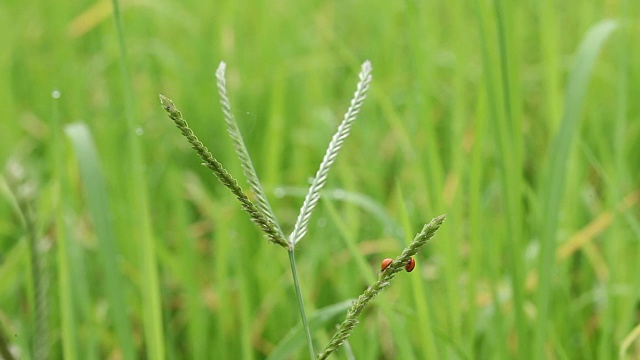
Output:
(519, 120)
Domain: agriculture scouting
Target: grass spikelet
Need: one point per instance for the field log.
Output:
(384, 280)
(311, 200)
(222, 174)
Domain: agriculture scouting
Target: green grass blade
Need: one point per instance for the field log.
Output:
(95, 190)
(67, 306)
(364, 268)
(498, 80)
(553, 186)
(196, 323)
(139, 206)
(422, 300)
(65, 292)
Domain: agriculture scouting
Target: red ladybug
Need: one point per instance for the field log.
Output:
(411, 264)
(385, 263)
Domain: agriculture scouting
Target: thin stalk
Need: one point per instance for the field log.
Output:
(303, 314)
(510, 150)
(137, 188)
(124, 70)
(68, 317)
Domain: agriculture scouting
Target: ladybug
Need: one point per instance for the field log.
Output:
(385, 263)
(411, 264)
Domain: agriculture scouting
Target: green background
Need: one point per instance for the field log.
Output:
(519, 120)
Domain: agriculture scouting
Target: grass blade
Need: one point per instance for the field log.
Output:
(507, 127)
(97, 200)
(139, 208)
(68, 318)
(556, 171)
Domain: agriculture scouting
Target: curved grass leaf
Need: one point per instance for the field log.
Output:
(556, 171)
(95, 190)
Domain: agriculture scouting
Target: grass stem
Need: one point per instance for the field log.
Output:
(303, 314)
(140, 209)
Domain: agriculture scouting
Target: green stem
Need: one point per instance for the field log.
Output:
(40, 286)
(137, 188)
(303, 314)
(124, 70)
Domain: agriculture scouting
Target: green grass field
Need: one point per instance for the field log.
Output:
(519, 120)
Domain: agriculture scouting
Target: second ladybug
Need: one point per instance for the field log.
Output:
(411, 264)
